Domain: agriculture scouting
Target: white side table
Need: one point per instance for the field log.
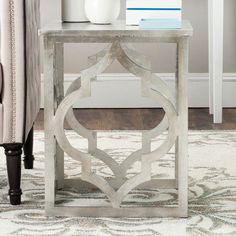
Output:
(59, 107)
(216, 27)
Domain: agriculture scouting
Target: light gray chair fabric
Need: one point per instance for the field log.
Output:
(19, 86)
(20, 81)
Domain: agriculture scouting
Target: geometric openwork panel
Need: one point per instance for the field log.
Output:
(152, 87)
(58, 108)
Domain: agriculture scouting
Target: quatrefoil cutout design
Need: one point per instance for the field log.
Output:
(152, 87)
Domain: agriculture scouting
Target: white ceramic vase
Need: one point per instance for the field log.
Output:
(73, 11)
(102, 11)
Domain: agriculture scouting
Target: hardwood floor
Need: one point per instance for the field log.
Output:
(142, 119)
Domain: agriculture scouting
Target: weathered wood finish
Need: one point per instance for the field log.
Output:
(182, 144)
(58, 109)
(90, 33)
(111, 212)
(49, 110)
(59, 90)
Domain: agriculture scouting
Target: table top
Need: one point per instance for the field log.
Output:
(92, 32)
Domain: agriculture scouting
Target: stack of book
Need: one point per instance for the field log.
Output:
(154, 14)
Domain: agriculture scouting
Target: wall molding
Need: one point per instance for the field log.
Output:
(122, 90)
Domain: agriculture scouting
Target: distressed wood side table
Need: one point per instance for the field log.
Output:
(59, 107)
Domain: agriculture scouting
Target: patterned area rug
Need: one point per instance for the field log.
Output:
(212, 191)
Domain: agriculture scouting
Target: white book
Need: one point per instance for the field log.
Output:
(134, 16)
(153, 3)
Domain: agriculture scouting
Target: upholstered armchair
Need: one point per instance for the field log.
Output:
(19, 86)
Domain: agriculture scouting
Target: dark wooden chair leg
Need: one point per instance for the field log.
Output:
(28, 151)
(13, 154)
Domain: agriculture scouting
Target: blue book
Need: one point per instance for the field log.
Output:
(156, 23)
(152, 9)
(134, 15)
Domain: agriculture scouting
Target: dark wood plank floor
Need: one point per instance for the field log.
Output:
(143, 119)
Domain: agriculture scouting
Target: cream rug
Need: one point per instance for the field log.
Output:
(212, 191)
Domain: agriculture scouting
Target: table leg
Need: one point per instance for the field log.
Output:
(176, 142)
(182, 143)
(216, 27)
(176, 163)
(59, 89)
(52, 97)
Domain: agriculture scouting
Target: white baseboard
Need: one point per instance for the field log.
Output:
(123, 91)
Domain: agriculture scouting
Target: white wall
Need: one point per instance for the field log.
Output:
(123, 91)
(162, 58)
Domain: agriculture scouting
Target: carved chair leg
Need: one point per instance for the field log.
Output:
(28, 151)
(13, 154)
